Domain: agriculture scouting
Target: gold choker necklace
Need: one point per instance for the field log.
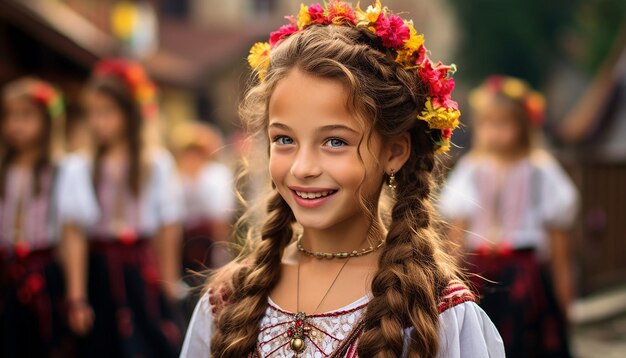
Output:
(337, 255)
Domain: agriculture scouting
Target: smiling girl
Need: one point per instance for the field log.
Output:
(353, 112)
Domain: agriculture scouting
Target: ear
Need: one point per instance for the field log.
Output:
(397, 152)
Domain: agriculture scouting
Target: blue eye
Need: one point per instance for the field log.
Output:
(335, 143)
(283, 140)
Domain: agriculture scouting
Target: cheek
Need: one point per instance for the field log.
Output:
(509, 134)
(279, 165)
(34, 125)
(347, 170)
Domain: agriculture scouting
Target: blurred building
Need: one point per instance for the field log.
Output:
(593, 138)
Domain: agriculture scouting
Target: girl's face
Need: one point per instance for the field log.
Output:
(496, 130)
(22, 123)
(106, 119)
(319, 157)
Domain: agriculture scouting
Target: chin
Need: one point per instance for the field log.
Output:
(314, 222)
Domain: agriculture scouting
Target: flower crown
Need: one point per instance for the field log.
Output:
(515, 89)
(135, 77)
(48, 96)
(397, 35)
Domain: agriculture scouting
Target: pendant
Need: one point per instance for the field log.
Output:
(297, 332)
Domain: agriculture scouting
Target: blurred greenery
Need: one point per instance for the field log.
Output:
(525, 38)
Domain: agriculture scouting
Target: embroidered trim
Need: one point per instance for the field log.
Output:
(317, 315)
(454, 294)
(218, 301)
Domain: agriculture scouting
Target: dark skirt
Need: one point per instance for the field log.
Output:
(521, 302)
(133, 318)
(200, 247)
(32, 312)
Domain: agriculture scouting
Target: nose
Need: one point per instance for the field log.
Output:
(306, 164)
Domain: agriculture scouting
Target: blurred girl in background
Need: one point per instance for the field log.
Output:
(209, 198)
(31, 283)
(510, 205)
(122, 204)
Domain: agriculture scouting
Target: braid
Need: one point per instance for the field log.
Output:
(237, 324)
(406, 287)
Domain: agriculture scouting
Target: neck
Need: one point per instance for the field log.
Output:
(510, 156)
(349, 235)
(117, 150)
(27, 157)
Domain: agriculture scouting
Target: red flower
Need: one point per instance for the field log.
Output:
(43, 94)
(392, 30)
(281, 33)
(340, 12)
(440, 85)
(316, 11)
(446, 133)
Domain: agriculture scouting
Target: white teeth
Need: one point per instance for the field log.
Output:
(311, 195)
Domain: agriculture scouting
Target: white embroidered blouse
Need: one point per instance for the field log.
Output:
(464, 331)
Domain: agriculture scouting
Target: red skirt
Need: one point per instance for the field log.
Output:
(518, 295)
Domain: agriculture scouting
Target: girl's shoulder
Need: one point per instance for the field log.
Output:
(159, 157)
(465, 330)
(455, 293)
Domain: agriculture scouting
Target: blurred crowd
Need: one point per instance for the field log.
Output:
(101, 249)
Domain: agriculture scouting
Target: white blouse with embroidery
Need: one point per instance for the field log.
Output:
(160, 203)
(465, 331)
(522, 202)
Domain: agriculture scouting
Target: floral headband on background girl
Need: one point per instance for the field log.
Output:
(42, 93)
(514, 89)
(135, 77)
(398, 36)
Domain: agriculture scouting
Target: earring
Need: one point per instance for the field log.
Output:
(392, 181)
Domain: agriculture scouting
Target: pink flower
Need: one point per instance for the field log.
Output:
(440, 86)
(281, 33)
(392, 30)
(340, 12)
(316, 11)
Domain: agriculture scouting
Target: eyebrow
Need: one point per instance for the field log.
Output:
(326, 128)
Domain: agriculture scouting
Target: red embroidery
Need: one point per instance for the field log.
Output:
(218, 300)
(454, 294)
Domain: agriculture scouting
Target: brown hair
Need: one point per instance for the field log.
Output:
(413, 270)
(23, 88)
(116, 89)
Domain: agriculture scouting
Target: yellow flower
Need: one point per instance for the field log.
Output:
(410, 47)
(259, 58)
(415, 41)
(304, 18)
(441, 117)
(443, 148)
(370, 15)
(513, 88)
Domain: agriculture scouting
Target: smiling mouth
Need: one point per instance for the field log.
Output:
(314, 195)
